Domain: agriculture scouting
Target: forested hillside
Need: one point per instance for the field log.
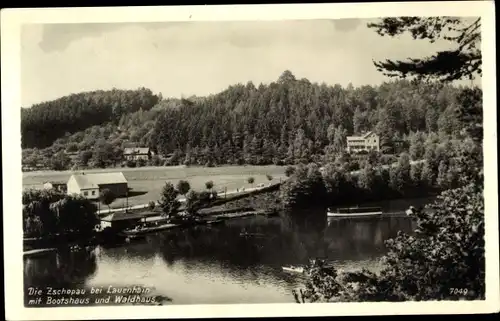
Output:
(296, 121)
(43, 123)
(288, 121)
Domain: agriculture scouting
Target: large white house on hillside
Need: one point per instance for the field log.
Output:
(366, 142)
(90, 185)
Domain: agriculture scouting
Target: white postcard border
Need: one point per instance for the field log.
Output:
(12, 19)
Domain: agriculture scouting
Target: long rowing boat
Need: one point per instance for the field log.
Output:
(348, 212)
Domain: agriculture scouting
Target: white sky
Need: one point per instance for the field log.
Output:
(186, 58)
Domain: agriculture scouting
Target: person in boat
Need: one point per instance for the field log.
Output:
(410, 210)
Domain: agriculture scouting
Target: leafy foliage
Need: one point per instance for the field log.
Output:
(107, 197)
(43, 123)
(445, 252)
(183, 187)
(209, 185)
(47, 212)
(464, 60)
(169, 202)
(197, 200)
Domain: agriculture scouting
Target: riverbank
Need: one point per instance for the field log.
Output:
(146, 183)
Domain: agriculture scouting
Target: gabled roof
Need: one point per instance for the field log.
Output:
(95, 179)
(136, 150)
(367, 134)
(122, 216)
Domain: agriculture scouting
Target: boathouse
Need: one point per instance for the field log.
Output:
(123, 220)
(90, 185)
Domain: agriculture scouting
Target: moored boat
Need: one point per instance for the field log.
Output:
(349, 212)
(144, 230)
(293, 269)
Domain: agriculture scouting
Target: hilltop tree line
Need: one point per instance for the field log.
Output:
(43, 123)
(286, 122)
(294, 121)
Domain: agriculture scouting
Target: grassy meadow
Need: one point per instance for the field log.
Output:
(146, 182)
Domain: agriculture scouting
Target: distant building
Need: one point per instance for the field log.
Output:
(58, 186)
(90, 185)
(366, 142)
(136, 153)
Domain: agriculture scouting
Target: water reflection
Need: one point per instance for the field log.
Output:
(239, 262)
(64, 269)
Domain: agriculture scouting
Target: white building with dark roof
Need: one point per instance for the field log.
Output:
(366, 142)
(90, 185)
(136, 153)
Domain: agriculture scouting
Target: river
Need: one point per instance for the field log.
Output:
(216, 265)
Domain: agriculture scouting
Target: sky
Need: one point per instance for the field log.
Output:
(180, 59)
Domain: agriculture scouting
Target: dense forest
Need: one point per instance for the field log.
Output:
(289, 121)
(43, 123)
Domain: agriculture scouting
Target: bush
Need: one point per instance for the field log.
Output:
(131, 163)
(289, 170)
(209, 185)
(183, 187)
(141, 162)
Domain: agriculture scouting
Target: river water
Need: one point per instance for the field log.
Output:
(217, 265)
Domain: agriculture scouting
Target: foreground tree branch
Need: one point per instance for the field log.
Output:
(463, 62)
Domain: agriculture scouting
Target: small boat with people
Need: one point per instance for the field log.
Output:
(410, 211)
(352, 212)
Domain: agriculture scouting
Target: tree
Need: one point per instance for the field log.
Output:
(289, 170)
(209, 185)
(76, 215)
(48, 212)
(84, 157)
(417, 148)
(195, 201)
(131, 163)
(183, 187)
(269, 177)
(250, 180)
(107, 197)
(152, 205)
(464, 61)
(60, 161)
(169, 202)
(450, 233)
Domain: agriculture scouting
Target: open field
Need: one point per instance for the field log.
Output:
(146, 182)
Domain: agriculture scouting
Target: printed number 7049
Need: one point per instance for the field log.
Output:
(458, 291)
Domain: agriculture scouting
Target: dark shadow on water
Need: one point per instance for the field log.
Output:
(250, 250)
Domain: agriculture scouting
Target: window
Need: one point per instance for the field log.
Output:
(93, 192)
(85, 193)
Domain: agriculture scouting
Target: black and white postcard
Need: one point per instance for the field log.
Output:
(244, 161)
